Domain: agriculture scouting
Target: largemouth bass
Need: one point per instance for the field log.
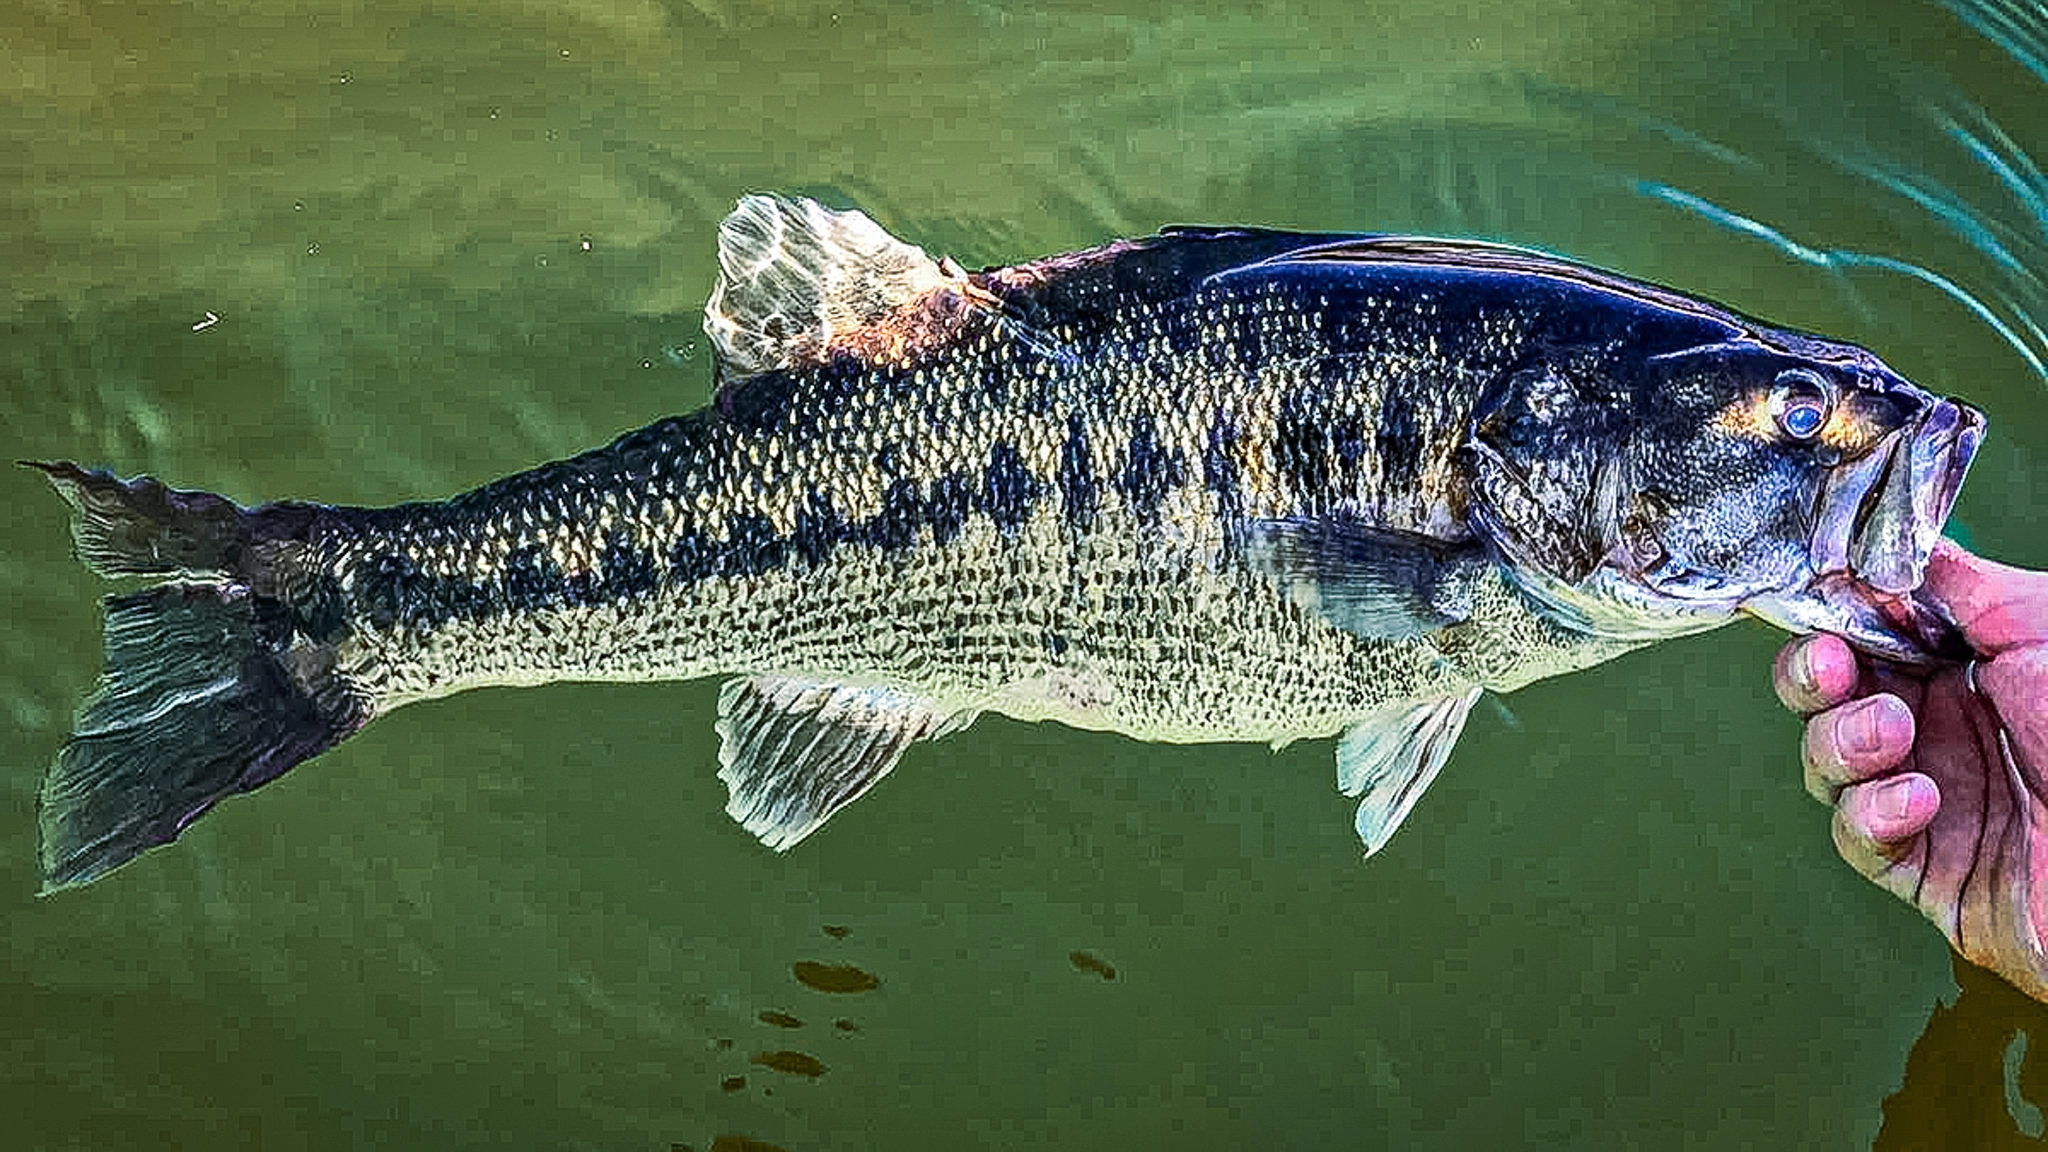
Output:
(1216, 484)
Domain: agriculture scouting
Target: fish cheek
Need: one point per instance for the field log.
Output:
(1740, 541)
(1734, 512)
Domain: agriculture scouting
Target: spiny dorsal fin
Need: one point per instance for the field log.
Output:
(797, 280)
(792, 752)
(1389, 758)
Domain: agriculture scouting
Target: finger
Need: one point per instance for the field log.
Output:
(1882, 814)
(1815, 672)
(1855, 742)
(1995, 605)
(1897, 866)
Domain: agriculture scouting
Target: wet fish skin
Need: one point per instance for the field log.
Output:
(1100, 485)
(1218, 484)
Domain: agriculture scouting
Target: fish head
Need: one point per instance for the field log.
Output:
(1793, 478)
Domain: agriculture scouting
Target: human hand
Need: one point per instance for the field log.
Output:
(1939, 778)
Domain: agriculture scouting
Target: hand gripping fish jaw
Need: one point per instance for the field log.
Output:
(1875, 525)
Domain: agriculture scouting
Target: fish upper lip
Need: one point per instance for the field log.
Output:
(1879, 516)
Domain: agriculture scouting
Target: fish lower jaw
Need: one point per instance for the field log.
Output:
(1894, 626)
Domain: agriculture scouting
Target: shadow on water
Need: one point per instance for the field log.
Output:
(1977, 1077)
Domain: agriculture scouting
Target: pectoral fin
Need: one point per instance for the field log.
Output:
(1391, 756)
(1373, 582)
(793, 752)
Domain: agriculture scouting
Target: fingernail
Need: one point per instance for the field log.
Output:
(1861, 729)
(1801, 668)
(1894, 799)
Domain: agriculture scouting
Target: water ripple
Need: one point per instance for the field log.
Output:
(1842, 260)
(2018, 26)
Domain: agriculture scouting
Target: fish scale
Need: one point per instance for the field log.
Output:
(826, 434)
(1219, 484)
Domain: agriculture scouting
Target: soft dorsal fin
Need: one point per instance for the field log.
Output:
(797, 279)
(792, 752)
(1389, 758)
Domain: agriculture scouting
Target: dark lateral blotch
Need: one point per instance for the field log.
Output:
(1301, 444)
(1078, 494)
(529, 580)
(1398, 439)
(895, 526)
(752, 546)
(1151, 469)
(819, 528)
(628, 569)
(952, 499)
(1219, 467)
(1008, 488)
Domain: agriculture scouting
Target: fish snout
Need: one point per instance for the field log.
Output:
(1902, 516)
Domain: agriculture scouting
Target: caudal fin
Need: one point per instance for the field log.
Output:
(211, 686)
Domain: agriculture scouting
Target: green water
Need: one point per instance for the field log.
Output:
(446, 242)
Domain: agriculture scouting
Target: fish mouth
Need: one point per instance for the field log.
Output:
(1880, 516)
(1877, 520)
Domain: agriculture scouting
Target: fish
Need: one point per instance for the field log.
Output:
(1214, 484)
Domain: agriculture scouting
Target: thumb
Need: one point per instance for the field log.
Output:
(1996, 606)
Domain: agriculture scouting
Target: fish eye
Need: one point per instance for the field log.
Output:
(1800, 403)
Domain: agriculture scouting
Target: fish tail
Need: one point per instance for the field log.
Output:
(215, 681)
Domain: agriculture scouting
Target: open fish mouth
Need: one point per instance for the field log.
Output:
(1876, 524)
(1880, 516)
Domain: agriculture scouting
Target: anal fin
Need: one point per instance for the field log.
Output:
(1389, 758)
(792, 752)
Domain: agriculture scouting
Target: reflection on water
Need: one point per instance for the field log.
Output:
(732, 1142)
(2017, 26)
(446, 245)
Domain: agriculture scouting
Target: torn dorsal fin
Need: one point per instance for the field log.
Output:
(797, 280)
(1389, 758)
(792, 752)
